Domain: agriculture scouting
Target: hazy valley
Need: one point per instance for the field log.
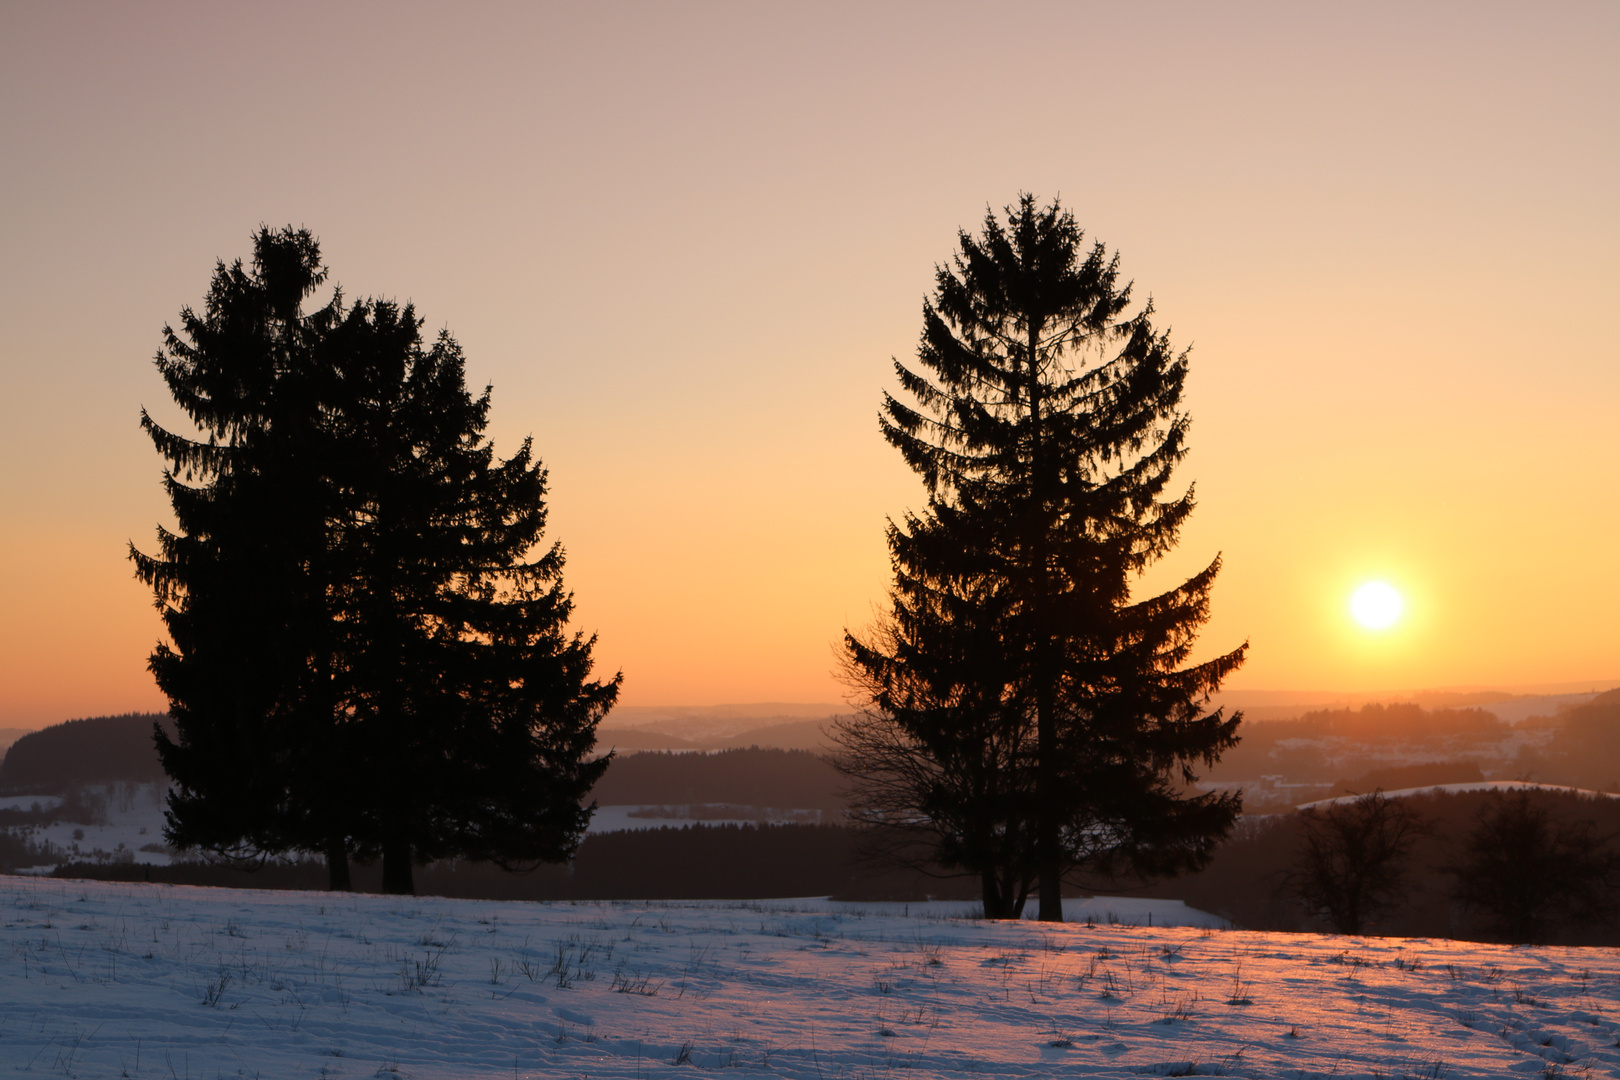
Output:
(741, 804)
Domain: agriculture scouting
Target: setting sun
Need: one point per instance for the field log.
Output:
(1376, 605)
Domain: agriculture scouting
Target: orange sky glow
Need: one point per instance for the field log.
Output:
(683, 243)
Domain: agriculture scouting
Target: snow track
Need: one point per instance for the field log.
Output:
(108, 980)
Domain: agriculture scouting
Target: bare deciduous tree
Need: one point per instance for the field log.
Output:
(1526, 870)
(1351, 859)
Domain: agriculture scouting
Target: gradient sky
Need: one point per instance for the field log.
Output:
(683, 242)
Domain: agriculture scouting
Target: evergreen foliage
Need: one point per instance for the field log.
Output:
(1028, 716)
(243, 582)
(367, 656)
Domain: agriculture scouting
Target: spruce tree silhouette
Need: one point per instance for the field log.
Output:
(470, 701)
(365, 658)
(243, 584)
(1046, 427)
(941, 762)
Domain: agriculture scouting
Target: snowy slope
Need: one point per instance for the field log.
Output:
(1459, 789)
(132, 828)
(105, 980)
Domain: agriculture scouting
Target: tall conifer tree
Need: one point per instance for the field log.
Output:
(366, 655)
(1046, 426)
(242, 583)
(471, 704)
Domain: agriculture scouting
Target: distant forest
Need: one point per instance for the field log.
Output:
(795, 779)
(1328, 751)
(702, 862)
(1248, 881)
(118, 749)
(1284, 762)
(1584, 748)
(96, 750)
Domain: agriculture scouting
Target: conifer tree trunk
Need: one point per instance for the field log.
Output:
(337, 867)
(397, 879)
(1047, 850)
(1047, 840)
(990, 891)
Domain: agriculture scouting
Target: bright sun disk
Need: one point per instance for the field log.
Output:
(1376, 605)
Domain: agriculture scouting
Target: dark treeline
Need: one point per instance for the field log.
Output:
(1251, 879)
(1422, 774)
(795, 779)
(116, 749)
(782, 734)
(1401, 719)
(95, 750)
(698, 863)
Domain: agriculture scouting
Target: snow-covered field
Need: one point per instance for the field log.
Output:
(608, 819)
(100, 980)
(132, 825)
(1462, 789)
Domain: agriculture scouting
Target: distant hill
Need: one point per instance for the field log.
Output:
(1327, 744)
(791, 735)
(643, 715)
(799, 735)
(9, 735)
(95, 750)
(1283, 763)
(712, 725)
(634, 740)
(1512, 704)
(1421, 775)
(1585, 747)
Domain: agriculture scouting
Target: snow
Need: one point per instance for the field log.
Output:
(1458, 789)
(30, 802)
(627, 818)
(133, 820)
(1110, 910)
(103, 980)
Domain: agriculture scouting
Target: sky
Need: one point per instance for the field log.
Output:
(685, 243)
